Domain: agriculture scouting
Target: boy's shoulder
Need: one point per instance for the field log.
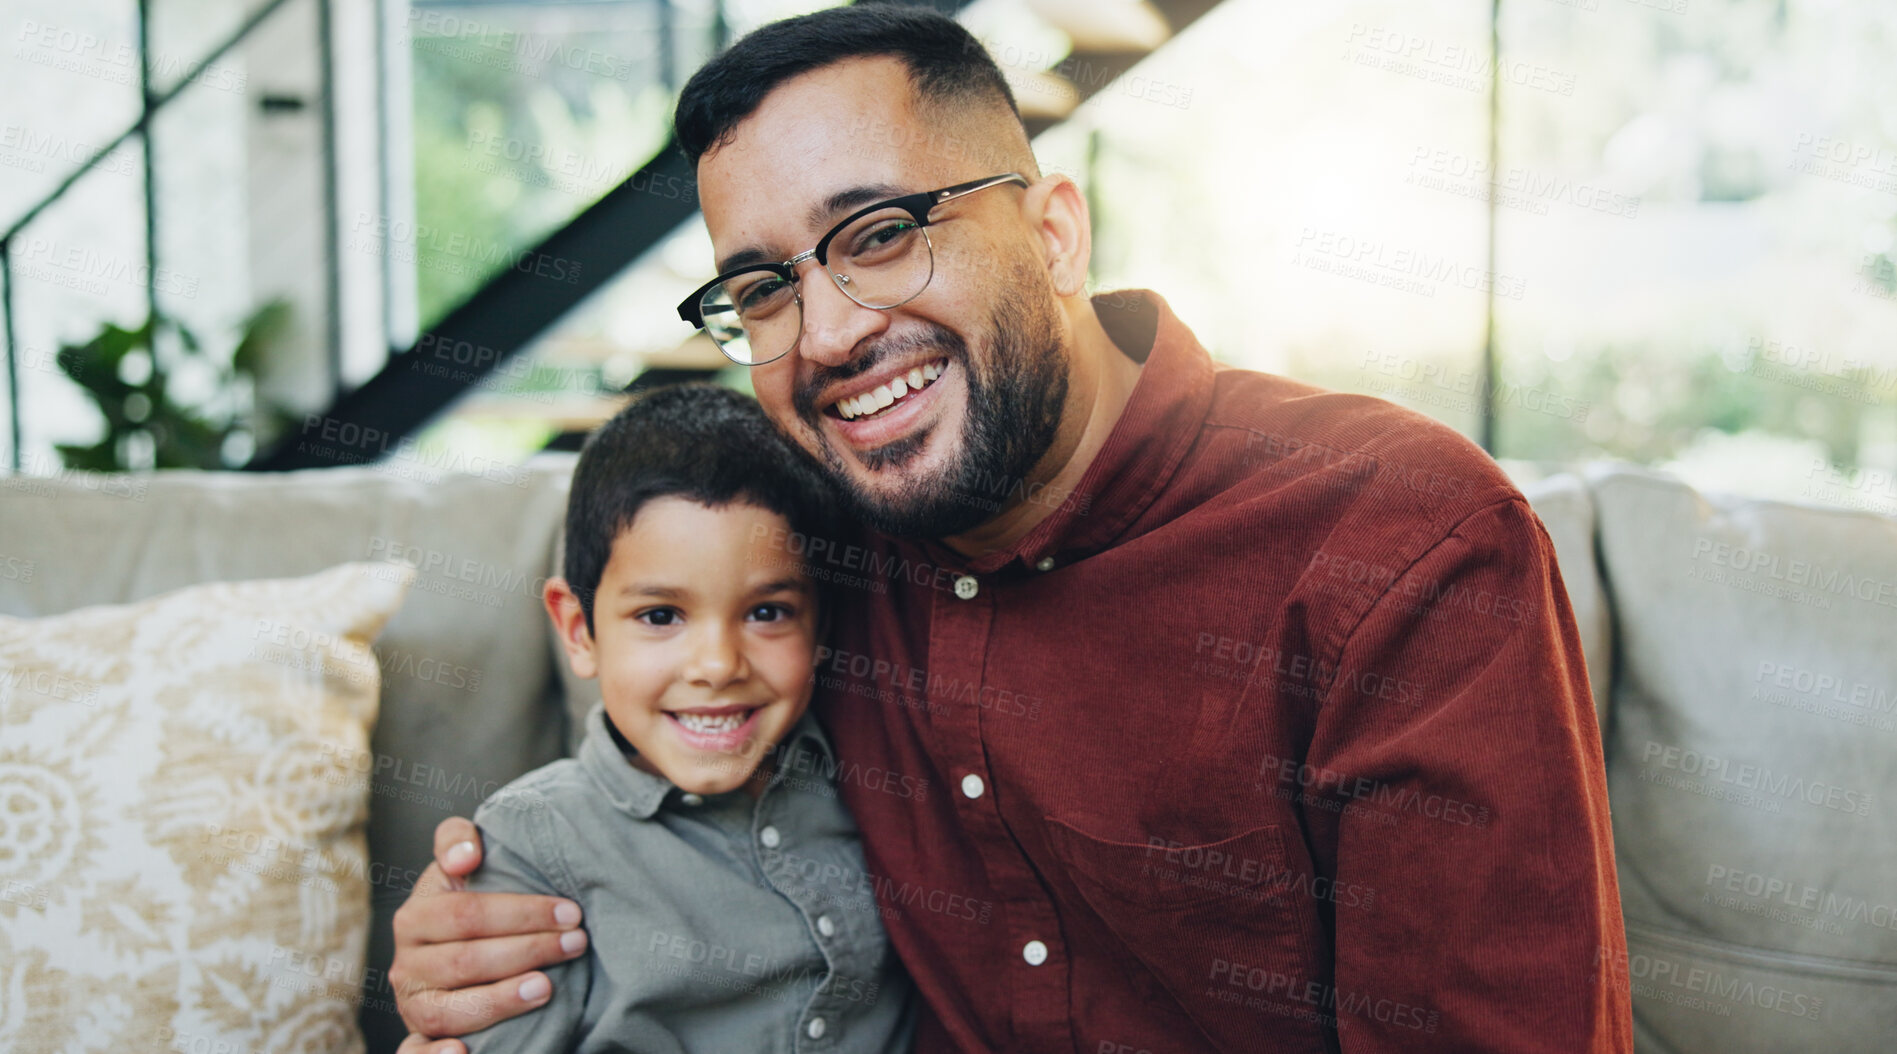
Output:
(540, 795)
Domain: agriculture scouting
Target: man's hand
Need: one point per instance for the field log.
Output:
(464, 961)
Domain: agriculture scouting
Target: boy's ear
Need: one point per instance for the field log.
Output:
(569, 621)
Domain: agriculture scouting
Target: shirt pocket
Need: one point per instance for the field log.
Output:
(1220, 926)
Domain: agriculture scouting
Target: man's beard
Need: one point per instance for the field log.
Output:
(1014, 410)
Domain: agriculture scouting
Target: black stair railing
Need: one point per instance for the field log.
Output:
(150, 103)
(508, 313)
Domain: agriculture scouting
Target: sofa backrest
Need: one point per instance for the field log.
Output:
(469, 696)
(1743, 657)
(1752, 766)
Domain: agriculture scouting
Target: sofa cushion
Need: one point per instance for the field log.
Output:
(1752, 765)
(181, 836)
(469, 697)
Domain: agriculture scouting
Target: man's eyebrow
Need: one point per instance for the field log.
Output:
(746, 257)
(819, 215)
(849, 199)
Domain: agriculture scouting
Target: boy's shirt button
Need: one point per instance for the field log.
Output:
(972, 785)
(825, 926)
(966, 587)
(1035, 953)
(816, 1028)
(690, 799)
(769, 837)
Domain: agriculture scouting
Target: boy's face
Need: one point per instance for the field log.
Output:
(702, 639)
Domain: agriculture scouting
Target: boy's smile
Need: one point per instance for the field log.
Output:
(703, 641)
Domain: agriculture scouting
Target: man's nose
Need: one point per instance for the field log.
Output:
(834, 324)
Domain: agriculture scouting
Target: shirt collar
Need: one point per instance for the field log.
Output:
(1160, 422)
(641, 794)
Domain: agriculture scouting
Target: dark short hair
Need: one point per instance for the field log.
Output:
(700, 442)
(946, 64)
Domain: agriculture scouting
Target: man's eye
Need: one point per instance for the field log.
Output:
(884, 239)
(658, 616)
(763, 296)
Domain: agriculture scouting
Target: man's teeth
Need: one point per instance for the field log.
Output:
(709, 724)
(886, 395)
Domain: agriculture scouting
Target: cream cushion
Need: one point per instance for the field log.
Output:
(182, 858)
(1752, 767)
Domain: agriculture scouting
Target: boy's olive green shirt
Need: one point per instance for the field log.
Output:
(717, 924)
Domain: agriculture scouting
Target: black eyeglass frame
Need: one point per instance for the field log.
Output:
(918, 206)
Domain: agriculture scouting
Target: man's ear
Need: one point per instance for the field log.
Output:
(569, 621)
(1057, 211)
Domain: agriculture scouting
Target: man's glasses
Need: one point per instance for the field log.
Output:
(881, 257)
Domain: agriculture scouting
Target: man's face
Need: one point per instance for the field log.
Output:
(985, 338)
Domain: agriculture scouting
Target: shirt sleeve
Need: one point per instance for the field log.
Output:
(1460, 752)
(510, 864)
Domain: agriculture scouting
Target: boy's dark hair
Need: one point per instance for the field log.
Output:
(946, 64)
(700, 442)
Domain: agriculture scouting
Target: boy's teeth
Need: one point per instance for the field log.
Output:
(883, 396)
(707, 723)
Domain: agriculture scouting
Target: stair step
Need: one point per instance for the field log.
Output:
(1106, 25)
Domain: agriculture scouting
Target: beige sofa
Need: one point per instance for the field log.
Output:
(1743, 654)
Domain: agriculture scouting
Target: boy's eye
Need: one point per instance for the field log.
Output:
(771, 612)
(658, 616)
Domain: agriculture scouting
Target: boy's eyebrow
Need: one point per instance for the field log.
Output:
(787, 584)
(651, 589)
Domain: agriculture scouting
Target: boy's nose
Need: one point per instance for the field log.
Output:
(716, 659)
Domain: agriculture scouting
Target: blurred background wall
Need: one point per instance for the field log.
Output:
(441, 235)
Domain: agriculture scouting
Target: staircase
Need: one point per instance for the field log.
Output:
(519, 305)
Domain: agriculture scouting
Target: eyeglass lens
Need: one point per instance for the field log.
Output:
(881, 260)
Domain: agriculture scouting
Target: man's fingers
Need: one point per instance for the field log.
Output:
(432, 881)
(467, 1010)
(467, 963)
(450, 917)
(416, 1043)
(457, 846)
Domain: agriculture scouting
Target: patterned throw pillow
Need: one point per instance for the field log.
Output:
(182, 855)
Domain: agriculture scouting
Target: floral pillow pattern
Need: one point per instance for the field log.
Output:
(182, 852)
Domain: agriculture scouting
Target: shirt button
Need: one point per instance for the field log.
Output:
(972, 785)
(1035, 953)
(816, 1028)
(1045, 563)
(966, 587)
(769, 837)
(690, 799)
(825, 926)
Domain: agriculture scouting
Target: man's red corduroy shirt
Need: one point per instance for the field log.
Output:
(1274, 736)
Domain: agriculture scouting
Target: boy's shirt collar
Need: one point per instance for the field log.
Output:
(804, 750)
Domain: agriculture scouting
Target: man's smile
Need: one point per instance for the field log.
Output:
(884, 406)
(873, 399)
